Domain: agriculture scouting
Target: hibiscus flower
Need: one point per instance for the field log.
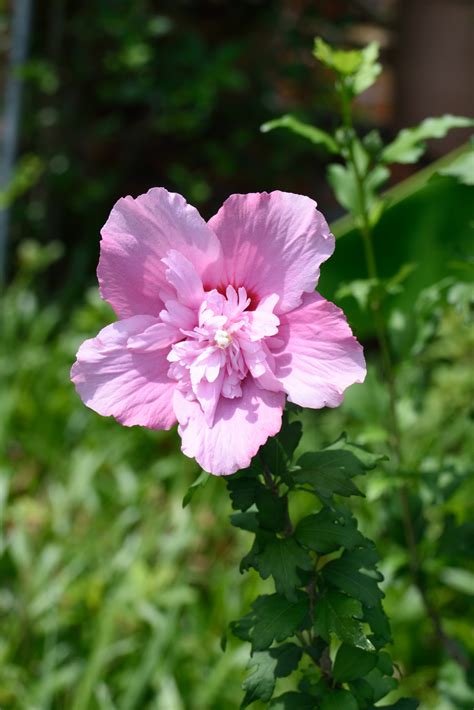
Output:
(218, 322)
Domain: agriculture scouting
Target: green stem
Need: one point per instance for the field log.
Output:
(366, 232)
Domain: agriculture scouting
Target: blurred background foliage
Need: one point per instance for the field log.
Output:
(111, 594)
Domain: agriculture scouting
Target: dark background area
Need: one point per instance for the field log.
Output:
(125, 95)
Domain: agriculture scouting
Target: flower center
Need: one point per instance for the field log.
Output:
(225, 346)
(222, 339)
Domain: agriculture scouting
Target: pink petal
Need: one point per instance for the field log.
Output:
(240, 427)
(185, 279)
(272, 244)
(137, 236)
(132, 386)
(156, 337)
(316, 355)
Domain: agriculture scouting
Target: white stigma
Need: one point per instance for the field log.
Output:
(222, 339)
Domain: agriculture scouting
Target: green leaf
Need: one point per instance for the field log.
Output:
(272, 510)
(409, 145)
(343, 181)
(266, 667)
(243, 488)
(403, 704)
(367, 460)
(294, 701)
(362, 290)
(339, 700)
(341, 615)
(344, 184)
(380, 684)
(282, 558)
(273, 618)
(352, 663)
(329, 472)
(359, 68)
(290, 436)
(200, 482)
(379, 624)
(462, 168)
(355, 574)
(369, 69)
(328, 530)
(245, 521)
(311, 133)
(274, 456)
(339, 60)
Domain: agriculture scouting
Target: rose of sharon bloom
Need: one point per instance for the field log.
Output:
(218, 322)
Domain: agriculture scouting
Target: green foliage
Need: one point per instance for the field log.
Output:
(199, 483)
(462, 168)
(273, 618)
(266, 667)
(283, 559)
(410, 145)
(311, 133)
(328, 530)
(358, 68)
(352, 663)
(342, 616)
(325, 575)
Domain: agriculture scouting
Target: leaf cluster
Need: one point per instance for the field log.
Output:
(327, 583)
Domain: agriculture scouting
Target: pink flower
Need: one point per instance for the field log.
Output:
(218, 322)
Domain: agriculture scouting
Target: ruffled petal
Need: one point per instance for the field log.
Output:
(316, 355)
(156, 337)
(131, 386)
(240, 427)
(273, 243)
(137, 236)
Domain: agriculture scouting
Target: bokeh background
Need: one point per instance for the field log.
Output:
(111, 594)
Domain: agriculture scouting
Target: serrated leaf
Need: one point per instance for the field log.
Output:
(328, 530)
(200, 482)
(354, 573)
(330, 472)
(409, 145)
(243, 489)
(294, 701)
(282, 558)
(341, 615)
(273, 618)
(311, 133)
(379, 625)
(339, 700)
(266, 667)
(352, 663)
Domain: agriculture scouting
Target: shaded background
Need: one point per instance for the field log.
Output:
(112, 595)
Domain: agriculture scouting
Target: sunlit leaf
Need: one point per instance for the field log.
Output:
(338, 614)
(311, 133)
(266, 667)
(409, 145)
